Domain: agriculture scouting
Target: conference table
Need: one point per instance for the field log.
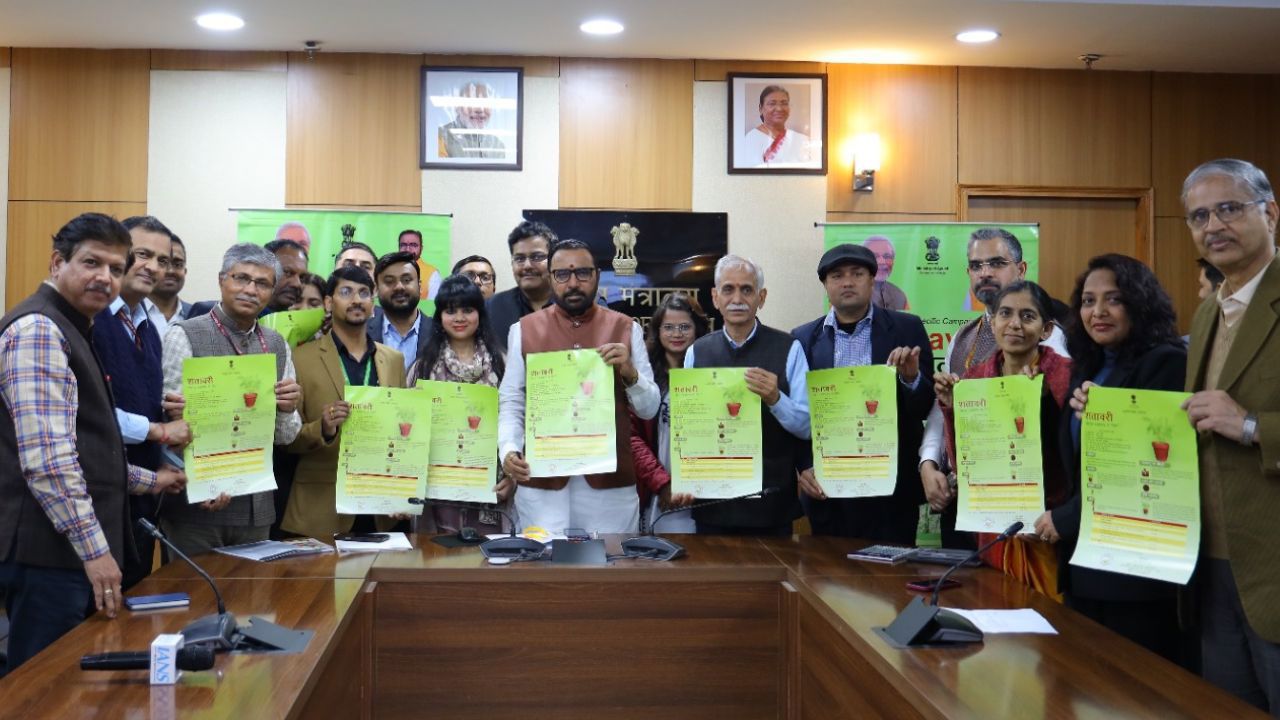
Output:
(740, 628)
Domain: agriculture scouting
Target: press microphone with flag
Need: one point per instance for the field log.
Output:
(216, 630)
(921, 624)
(190, 657)
(652, 547)
(512, 546)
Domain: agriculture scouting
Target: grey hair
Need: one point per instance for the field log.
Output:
(995, 233)
(1248, 175)
(290, 225)
(737, 262)
(250, 254)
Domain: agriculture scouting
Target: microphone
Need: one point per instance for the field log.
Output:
(920, 624)
(190, 657)
(512, 546)
(653, 547)
(216, 630)
(1008, 533)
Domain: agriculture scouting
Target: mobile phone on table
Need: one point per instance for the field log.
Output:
(156, 602)
(362, 537)
(927, 584)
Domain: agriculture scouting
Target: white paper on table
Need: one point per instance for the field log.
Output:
(395, 541)
(1025, 620)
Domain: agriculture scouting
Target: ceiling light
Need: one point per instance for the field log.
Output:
(219, 21)
(977, 36)
(601, 27)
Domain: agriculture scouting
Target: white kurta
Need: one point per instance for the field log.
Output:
(796, 150)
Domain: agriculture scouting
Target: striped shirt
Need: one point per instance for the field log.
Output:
(41, 394)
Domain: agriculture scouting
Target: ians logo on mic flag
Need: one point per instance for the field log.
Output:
(164, 659)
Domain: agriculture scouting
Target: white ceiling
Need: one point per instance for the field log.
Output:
(1233, 36)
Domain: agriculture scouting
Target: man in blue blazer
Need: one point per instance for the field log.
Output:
(853, 333)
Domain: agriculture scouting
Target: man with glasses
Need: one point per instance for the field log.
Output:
(530, 244)
(857, 332)
(1231, 369)
(166, 306)
(347, 352)
(247, 280)
(411, 242)
(606, 502)
(398, 323)
(995, 261)
(478, 270)
(292, 258)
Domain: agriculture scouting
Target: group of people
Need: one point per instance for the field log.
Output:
(91, 364)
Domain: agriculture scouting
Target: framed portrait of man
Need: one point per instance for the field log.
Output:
(778, 123)
(472, 118)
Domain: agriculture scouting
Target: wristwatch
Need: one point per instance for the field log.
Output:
(1249, 429)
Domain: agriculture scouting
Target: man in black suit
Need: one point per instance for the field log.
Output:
(397, 322)
(855, 333)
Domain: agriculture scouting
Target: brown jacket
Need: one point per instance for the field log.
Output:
(1248, 477)
(312, 509)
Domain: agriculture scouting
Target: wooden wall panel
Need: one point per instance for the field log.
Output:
(1199, 117)
(1072, 230)
(891, 217)
(30, 232)
(78, 129)
(352, 130)
(4, 57)
(913, 109)
(626, 134)
(534, 65)
(718, 69)
(1176, 267)
(259, 60)
(1065, 128)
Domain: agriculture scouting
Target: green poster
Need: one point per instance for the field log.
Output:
(569, 426)
(326, 230)
(854, 412)
(231, 408)
(716, 442)
(385, 445)
(1140, 485)
(295, 326)
(1000, 463)
(927, 264)
(464, 441)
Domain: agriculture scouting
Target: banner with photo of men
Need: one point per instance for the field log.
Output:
(924, 269)
(323, 233)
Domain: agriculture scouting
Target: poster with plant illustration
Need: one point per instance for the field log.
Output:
(569, 427)
(999, 459)
(464, 441)
(854, 419)
(716, 442)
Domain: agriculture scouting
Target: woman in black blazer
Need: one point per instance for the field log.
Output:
(1123, 334)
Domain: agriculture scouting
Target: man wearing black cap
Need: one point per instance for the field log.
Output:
(852, 333)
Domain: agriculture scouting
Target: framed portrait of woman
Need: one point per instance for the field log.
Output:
(472, 118)
(778, 123)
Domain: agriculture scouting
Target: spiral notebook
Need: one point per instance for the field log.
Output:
(268, 550)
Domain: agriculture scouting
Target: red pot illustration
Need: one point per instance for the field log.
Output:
(872, 405)
(405, 428)
(250, 399)
(733, 408)
(588, 387)
(473, 421)
(1161, 450)
(1021, 423)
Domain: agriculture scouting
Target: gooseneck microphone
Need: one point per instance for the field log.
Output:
(192, 657)
(650, 546)
(512, 546)
(1008, 533)
(212, 629)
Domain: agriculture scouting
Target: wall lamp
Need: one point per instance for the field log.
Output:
(866, 161)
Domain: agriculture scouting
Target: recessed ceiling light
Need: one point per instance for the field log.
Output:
(219, 21)
(601, 27)
(977, 36)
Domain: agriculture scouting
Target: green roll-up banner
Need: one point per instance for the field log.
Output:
(929, 265)
(328, 229)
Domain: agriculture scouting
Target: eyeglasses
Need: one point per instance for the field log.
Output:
(533, 258)
(583, 274)
(681, 329)
(993, 263)
(240, 280)
(480, 278)
(347, 291)
(1227, 212)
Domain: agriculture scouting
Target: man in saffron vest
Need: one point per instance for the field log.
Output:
(606, 502)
